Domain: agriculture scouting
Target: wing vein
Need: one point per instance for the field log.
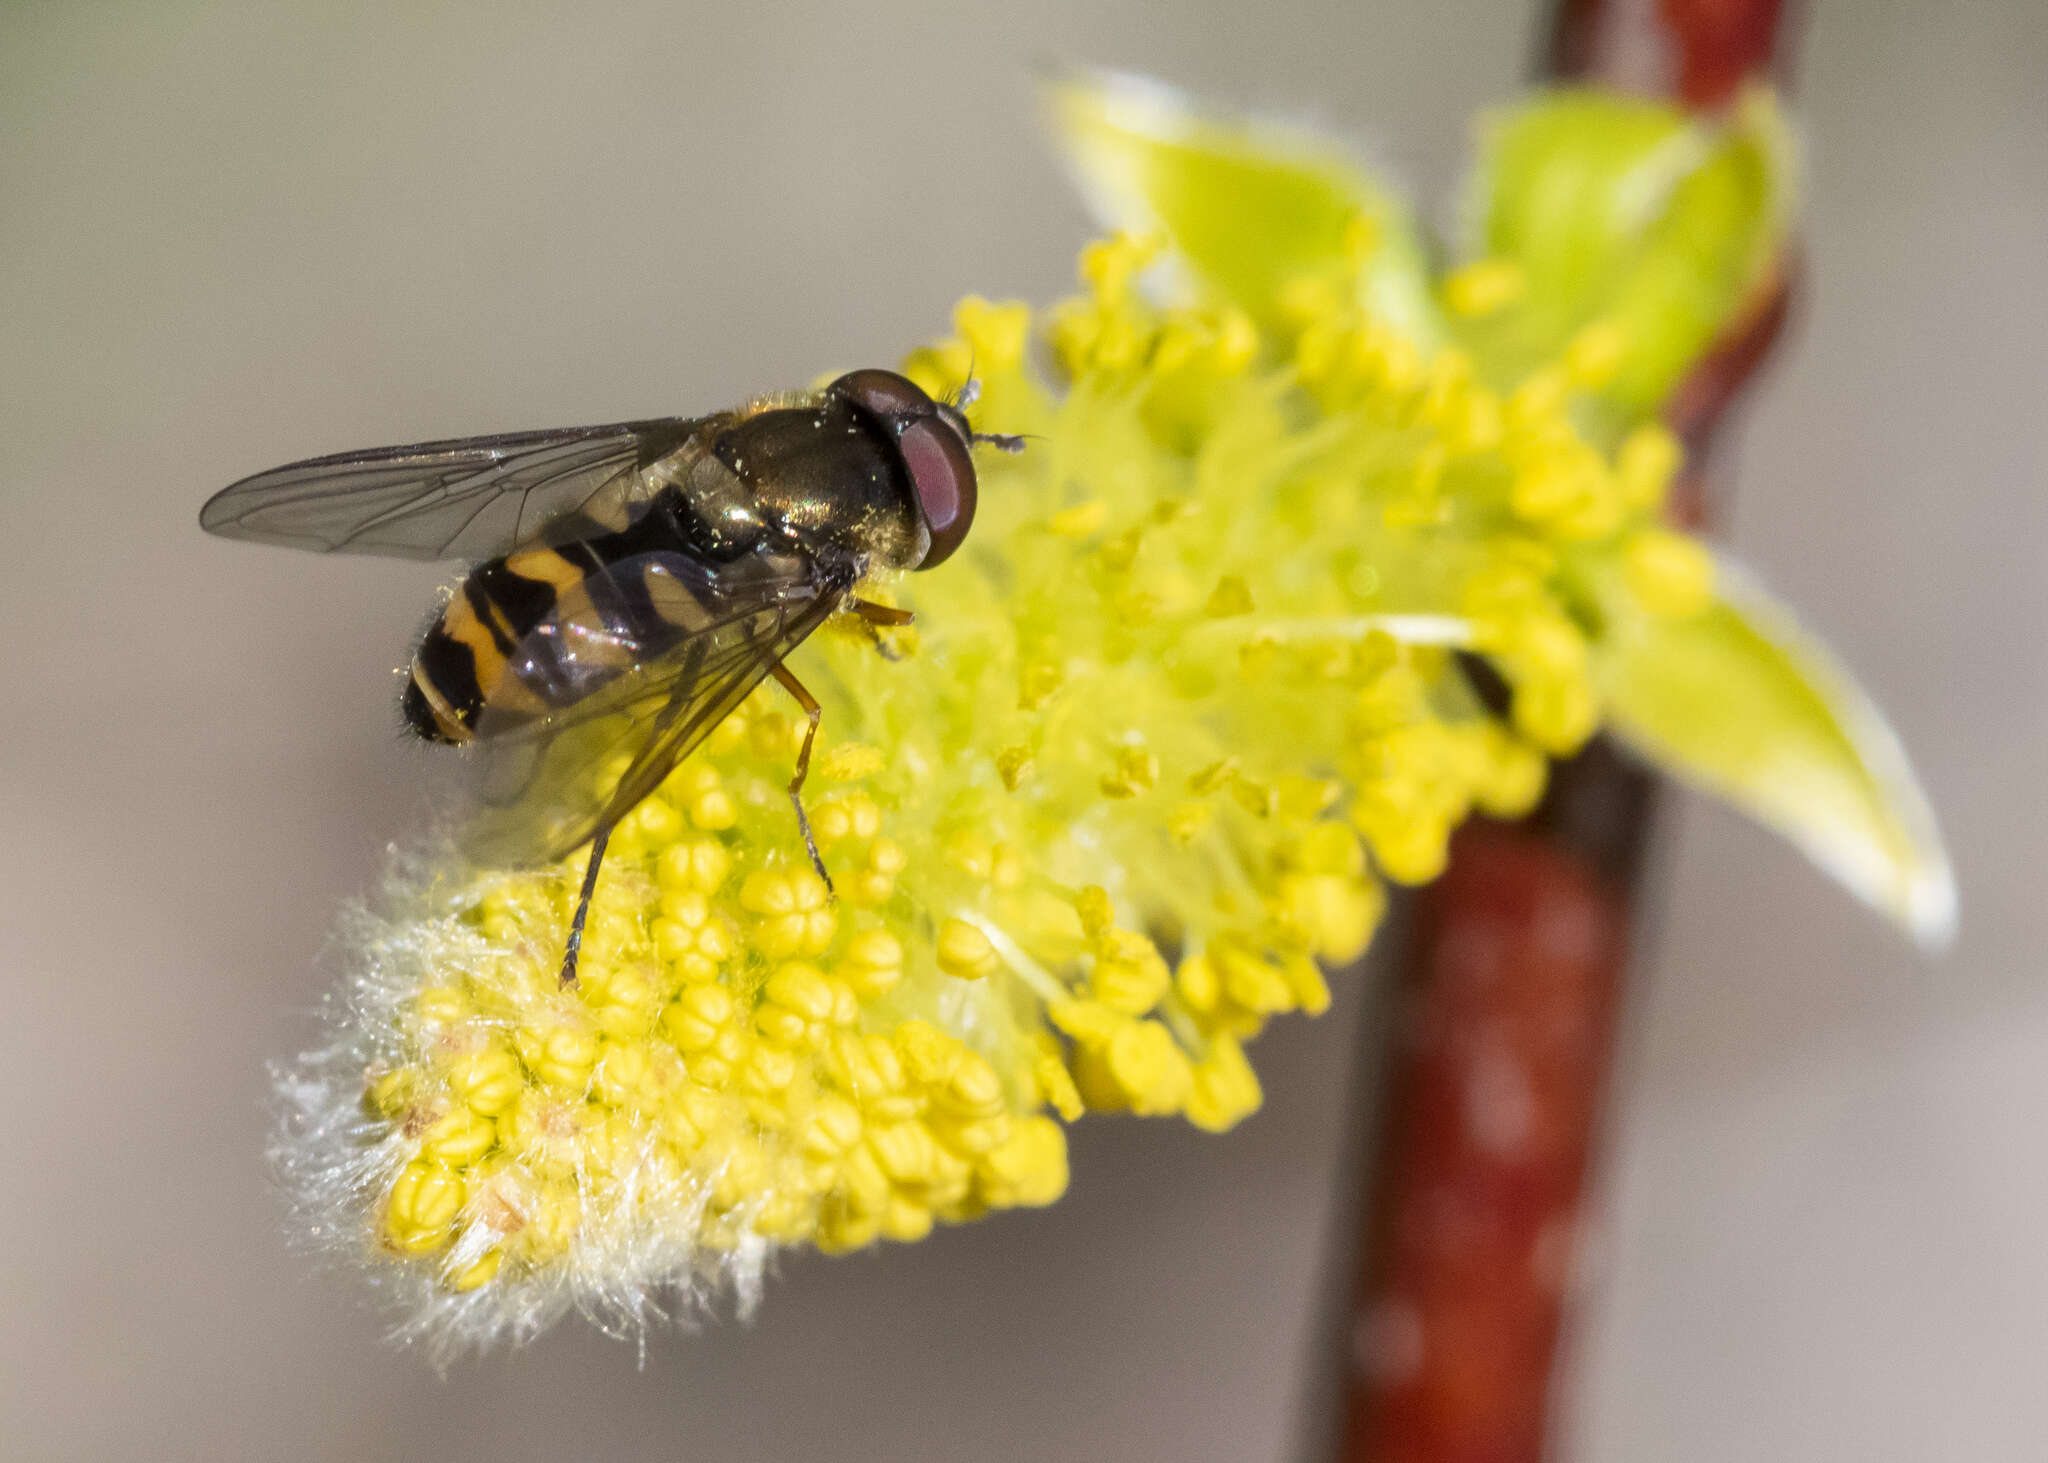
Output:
(434, 500)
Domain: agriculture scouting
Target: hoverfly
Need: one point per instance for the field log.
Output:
(632, 583)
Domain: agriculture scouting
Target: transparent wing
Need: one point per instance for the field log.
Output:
(552, 782)
(468, 498)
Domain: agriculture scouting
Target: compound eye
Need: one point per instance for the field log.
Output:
(942, 470)
(883, 393)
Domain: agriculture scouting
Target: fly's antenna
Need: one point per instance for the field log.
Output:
(965, 395)
(968, 393)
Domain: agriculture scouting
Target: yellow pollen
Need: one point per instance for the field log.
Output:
(1193, 694)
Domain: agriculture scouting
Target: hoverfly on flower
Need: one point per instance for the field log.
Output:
(632, 583)
(1197, 692)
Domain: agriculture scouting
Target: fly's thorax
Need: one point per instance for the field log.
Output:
(811, 477)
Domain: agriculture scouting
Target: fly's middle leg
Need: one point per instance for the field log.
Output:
(815, 712)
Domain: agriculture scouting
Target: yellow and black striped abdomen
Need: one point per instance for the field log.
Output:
(549, 624)
(465, 661)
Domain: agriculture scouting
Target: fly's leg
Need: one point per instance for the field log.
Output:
(876, 614)
(874, 618)
(575, 946)
(803, 766)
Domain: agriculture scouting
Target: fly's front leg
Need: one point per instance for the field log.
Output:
(874, 618)
(803, 766)
(876, 614)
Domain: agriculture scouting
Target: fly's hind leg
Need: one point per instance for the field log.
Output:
(575, 945)
(815, 712)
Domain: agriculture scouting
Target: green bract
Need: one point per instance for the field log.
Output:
(1615, 233)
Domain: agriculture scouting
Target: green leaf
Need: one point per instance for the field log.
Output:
(1252, 209)
(1740, 702)
(1628, 211)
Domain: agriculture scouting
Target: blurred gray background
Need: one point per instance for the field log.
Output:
(231, 235)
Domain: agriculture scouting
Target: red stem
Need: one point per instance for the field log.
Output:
(1506, 1011)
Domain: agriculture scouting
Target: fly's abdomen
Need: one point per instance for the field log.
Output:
(550, 624)
(478, 654)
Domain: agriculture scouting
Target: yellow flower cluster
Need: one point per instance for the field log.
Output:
(1192, 688)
